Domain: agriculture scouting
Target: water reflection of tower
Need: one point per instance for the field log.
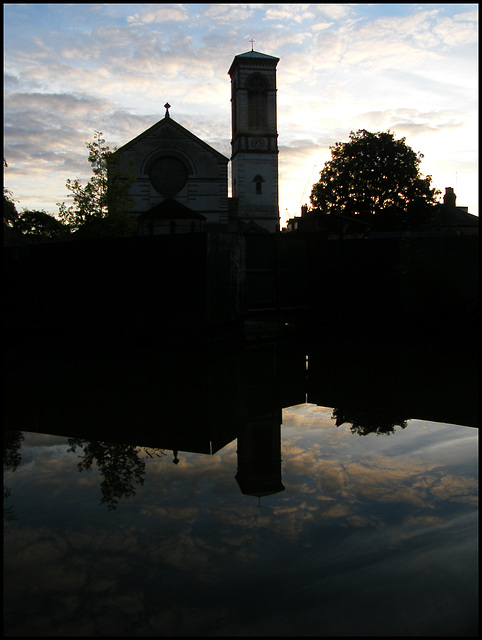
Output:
(259, 458)
(259, 437)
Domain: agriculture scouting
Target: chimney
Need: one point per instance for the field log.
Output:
(304, 209)
(449, 198)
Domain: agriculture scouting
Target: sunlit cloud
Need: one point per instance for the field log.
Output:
(159, 14)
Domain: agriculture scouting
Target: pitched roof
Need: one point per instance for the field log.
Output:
(256, 54)
(456, 217)
(170, 209)
(254, 57)
(162, 128)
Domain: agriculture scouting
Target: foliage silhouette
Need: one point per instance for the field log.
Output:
(118, 464)
(364, 422)
(10, 215)
(374, 178)
(40, 226)
(12, 442)
(100, 207)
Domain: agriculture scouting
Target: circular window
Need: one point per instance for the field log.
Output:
(168, 175)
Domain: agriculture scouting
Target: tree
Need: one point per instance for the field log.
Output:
(101, 207)
(36, 226)
(118, 464)
(40, 226)
(12, 443)
(10, 214)
(365, 421)
(375, 178)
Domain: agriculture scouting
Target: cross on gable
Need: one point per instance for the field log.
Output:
(252, 43)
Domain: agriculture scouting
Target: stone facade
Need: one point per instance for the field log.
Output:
(168, 163)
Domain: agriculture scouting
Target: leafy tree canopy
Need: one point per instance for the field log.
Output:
(364, 421)
(40, 226)
(100, 207)
(10, 213)
(374, 177)
(119, 465)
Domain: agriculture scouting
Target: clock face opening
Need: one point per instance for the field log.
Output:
(257, 142)
(168, 175)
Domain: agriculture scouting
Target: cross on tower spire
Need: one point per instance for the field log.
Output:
(167, 106)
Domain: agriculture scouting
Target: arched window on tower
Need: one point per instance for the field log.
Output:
(258, 180)
(257, 102)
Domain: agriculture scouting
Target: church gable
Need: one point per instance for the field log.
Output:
(168, 161)
(168, 130)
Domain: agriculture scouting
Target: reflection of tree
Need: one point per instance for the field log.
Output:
(364, 422)
(118, 464)
(12, 441)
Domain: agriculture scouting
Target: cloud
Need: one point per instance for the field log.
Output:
(458, 31)
(289, 12)
(410, 122)
(308, 415)
(220, 14)
(159, 14)
(321, 26)
(333, 11)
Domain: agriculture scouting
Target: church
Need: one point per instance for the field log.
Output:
(180, 183)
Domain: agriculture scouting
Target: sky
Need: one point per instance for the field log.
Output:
(73, 69)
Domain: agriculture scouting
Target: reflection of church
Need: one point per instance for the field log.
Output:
(181, 183)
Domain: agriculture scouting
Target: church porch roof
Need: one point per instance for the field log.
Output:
(170, 209)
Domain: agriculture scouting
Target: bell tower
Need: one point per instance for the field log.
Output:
(254, 159)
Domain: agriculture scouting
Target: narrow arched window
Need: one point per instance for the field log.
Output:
(257, 102)
(258, 180)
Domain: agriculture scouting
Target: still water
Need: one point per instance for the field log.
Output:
(280, 489)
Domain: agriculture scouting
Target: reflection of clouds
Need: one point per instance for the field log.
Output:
(29, 544)
(187, 552)
(422, 521)
(367, 471)
(178, 513)
(457, 489)
(297, 462)
(332, 480)
(190, 534)
(308, 416)
(38, 560)
(58, 584)
(182, 620)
